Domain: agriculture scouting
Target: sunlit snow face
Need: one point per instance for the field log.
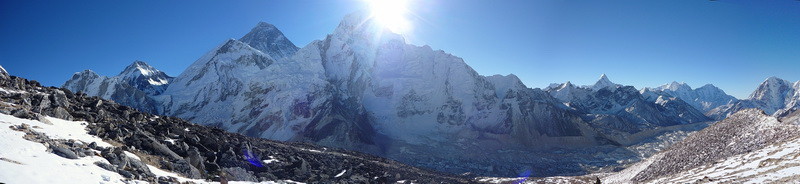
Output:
(391, 14)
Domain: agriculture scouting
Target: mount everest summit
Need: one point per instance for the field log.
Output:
(364, 88)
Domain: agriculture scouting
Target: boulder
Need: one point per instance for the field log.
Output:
(63, 152)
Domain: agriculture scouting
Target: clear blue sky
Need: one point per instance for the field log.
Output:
(734, 45)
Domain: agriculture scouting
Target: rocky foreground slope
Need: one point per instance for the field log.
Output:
(174, 145)
(748, 146)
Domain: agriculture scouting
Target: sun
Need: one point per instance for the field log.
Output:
(391, 14)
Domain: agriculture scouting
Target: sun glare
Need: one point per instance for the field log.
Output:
(391, 14)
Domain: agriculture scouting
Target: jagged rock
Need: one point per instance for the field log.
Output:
(184, 168)
(59, 99)
(61, 113)
(23, 113)
(167, 180)
(239, 174)
(64, 152)
(126, 174)
(93, 145)
(43, 119)
(128, 167)
(195, 159)
(106, 166)
(41, 103)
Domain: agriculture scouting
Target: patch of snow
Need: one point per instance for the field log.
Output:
(134, 156)
(36, 165)
(11, 91)
(340, 174)
(158, 83)
(627, 174)
(311, 150)
(271, 160)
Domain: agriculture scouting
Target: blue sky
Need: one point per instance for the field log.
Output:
(734, 45)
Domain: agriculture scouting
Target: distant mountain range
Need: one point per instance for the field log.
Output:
(364, 88)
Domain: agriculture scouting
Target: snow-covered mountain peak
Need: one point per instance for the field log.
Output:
(675, 86)
(144, 77)
(139, 68)
(509, 77)
(710, 89)
(268, 39)
(567, 84)
(565, 91)
(264, 26)
(704, 98)
(80, 79)
(360, 26)
(352, 22)
(603, 82)
(775, 80)
(771, 87)
(85, 73)
(773, 94)
(504, 83)
(232, 58)
(708, 86)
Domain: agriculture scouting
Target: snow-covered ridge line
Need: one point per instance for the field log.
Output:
(135, 86)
